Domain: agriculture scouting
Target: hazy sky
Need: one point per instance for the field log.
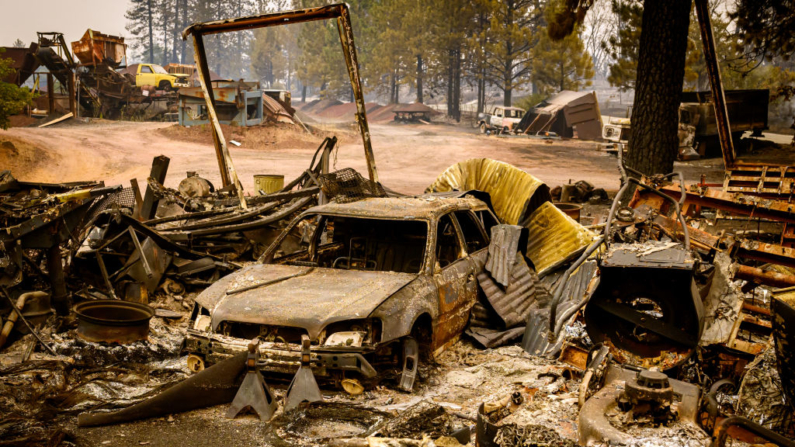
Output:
(21, 19)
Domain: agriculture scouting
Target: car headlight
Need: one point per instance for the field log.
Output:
(352, 339)
(202, 320)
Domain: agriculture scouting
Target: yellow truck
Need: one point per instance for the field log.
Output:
(155, 75)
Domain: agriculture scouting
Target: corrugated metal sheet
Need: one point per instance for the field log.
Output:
(535, 339)
(514, 193)
(554, 238)
(513, 303)
(502, 251)
(493, 338)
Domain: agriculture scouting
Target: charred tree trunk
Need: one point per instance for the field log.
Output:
(303, 93)
(450, 83)
(419, 78)
(653, 143)
(507, 86)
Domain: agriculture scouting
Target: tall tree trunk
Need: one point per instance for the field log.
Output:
(419, 78)
(653, 143)
(175, 32)
(239, 43)
(507, 86)
(450, 110)
(151, 32)
(183, 51)
(303, 93)
(457, 86)
(393, 88)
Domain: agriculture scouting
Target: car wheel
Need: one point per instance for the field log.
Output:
(164, 85)
(483, 128)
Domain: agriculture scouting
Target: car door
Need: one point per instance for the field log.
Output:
(145, 76)
(496, 118)
(454, 277)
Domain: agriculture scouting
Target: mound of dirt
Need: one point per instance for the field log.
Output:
(384, 113)
(346, 110)
(23, 121)
(271, 136)
(318, 106)
(26, 161)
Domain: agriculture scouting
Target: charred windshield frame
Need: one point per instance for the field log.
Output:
(316, 246)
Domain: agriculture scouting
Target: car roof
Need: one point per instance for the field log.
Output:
(425, 207)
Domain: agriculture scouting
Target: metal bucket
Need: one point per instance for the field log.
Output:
(268, 183)
(570, 209)
(113, 321)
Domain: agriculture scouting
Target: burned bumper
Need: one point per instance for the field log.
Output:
(284, 358)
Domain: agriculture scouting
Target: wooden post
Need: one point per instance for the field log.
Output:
(50, 94)
(158, 173)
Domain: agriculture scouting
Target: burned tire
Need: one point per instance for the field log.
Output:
(483, 128)
(164, 85)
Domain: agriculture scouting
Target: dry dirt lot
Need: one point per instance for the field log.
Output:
(409, 157)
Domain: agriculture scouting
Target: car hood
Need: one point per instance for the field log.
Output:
(305, 297)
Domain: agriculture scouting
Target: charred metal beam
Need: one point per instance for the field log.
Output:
(337, 11)
(764, 252)
(713, 71)
(760, 276)
(737, 203)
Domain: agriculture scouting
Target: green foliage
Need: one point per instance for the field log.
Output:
(561, 65)
(529, 101)
(13, 99)
(765, 28)
(624, 47)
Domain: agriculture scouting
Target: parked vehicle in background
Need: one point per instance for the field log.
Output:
(698, 131)
(157, 76)
(500, 119)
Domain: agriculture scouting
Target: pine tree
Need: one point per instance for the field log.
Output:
(623, 48)
(508, 42)
(13, 99)
(561, 65)
(140, 24)
(19, 44)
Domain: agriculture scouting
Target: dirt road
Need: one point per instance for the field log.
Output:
(409, 157)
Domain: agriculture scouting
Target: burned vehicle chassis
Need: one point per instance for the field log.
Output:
(363, 317)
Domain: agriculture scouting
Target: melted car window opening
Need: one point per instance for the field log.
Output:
(472, 234)
(350, 243)
(448, 247)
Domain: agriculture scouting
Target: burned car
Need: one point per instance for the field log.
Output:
(375, 283)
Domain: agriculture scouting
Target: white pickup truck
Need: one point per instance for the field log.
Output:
(501, 119)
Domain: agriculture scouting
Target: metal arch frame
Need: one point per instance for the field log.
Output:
(340, 12)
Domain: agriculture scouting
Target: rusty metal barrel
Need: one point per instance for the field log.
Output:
(113, 321)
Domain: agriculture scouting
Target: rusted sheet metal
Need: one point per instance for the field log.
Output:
(783, 313)
(760, 276)
(715, 82)
(276, 110)
(554, 238)
(339, 11)
(505, 243)
(760, 251)
(764, 180)
(113, 321)
(95, 48)
(535, 340)
(24, 63)
(736, 203)
(227, 95)
(515, 194)
(513, 303)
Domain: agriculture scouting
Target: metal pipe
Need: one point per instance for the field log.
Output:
(722, 432)
(715, 82)
(757, 275)
(16, 314)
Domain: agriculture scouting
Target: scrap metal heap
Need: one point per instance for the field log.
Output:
(659, 326)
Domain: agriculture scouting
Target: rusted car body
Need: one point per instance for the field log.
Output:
(369, 275)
